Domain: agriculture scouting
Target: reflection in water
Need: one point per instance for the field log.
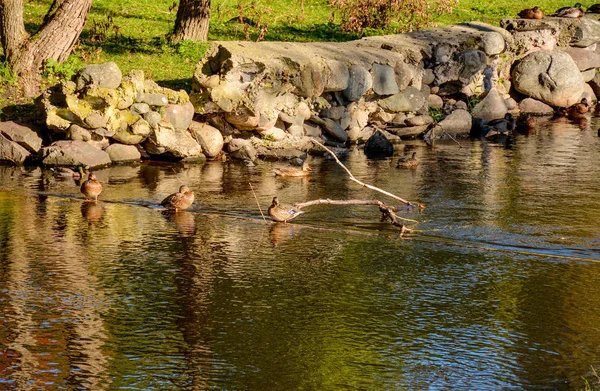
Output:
(498, 291)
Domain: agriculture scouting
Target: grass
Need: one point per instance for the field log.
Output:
(132, 33)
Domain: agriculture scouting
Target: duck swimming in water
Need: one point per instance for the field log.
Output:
(76, 172)
(408, 162)
(502, 125)
(283, 212)
(293, 172)
(181, 200)
(91, 188)
(578, 110)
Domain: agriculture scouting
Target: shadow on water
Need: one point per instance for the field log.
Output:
(497, 289)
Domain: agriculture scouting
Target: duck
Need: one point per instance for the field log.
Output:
(593, 9)
(292, 171)
(76, 172)
(283, 212)
(502, 125)
(408, 162)
(526, 123)
(181, 200)
(578, 110)
(531, 13)
(91, 188)
(570, 12)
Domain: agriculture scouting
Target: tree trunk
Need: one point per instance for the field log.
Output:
(192, 20)
(55, 39)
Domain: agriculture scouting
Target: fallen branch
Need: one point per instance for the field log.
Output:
(421, 206)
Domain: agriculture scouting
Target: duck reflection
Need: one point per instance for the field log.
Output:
(92, 212)
(279, 233)
(183, 221)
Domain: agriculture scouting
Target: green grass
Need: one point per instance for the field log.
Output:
(132, 33)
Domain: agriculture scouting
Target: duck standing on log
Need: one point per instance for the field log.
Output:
(531, 13)
(91, 188)
(283, 212)
(294, 172)
(570, 12)
(181, 200)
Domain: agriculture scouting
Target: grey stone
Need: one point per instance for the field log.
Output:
(242, 149)
(378, 146)
(125, 136)
(12, 152)
(71, 153)
(533, 106)
(22, 134)
(107, 75)
(491, 107)
(155, 99)
(588, 93)
(141, 128)
(125, 102)
(123, 153)
(102, 132)
(384, 80)
(411, 99)
(76, 132)
(180, 116)
(338, 76)
(296, 130)
(334, 113)
(310, 83)
(96, 120)
(209, 138)
(419, 120)
(177, 142)
(311, 129)
(435, 101)
(595, 83)
(360, 81)
(404, 74)
(428, 77)
(584, 58)
(588, 75)
(331, 127)
(140, 108)
(459, 121)
(152, 117)
(552, 77)
(243, 119)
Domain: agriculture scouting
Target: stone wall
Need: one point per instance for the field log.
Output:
(267, 99)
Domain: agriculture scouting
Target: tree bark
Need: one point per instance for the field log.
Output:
(192, 21)
(55, 39)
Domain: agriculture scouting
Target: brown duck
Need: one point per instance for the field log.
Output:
(293, 172)
(91, 188)
(408, 162)
(181, 200)
(531, 13)
(283, 212)
(578, 110)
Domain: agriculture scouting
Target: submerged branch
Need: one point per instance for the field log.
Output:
(421, 206)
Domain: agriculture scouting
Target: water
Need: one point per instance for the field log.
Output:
(498, 288)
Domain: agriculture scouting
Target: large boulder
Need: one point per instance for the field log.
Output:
(123, 153)
(242, 149)
(459, 121)
(210, 138)
(584, 58)
(107, 75)
(72, 153)
(491, 107)
(180, 116)
(532, 106)
(21, 134)
(177, 142)
(378, 146)
(12, 152)
(552, 77)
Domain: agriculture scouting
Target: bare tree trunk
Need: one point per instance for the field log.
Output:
(193, 17)
(55, 40)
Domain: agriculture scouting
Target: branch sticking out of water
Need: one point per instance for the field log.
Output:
(421, 206)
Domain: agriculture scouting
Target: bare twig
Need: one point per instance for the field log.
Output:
(338, 202)
(176, 176)
(365, 184)
(257, 203)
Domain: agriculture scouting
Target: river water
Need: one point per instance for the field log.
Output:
(499, 287)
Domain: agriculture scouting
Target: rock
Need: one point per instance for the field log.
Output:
(274, 134)
(76, 132)
(12, 152)
(337, 76)
(125, 102)
(378, 116)
(22, 134)
(595, 84)
(384, 80)
(123, 153)
(152, 117)
(103, 132)
(360, 81)
(242, 149)
(511, 104)
(584, 58)
(461, 104)
(141, 128)
(243, 119)
(296, 130)
(209, 138)
(435, 101)
(491, 107)
(405, 74)
(107, 75)
(125, 136)
(310, 82)
(331, 127)
(99, 141)
(588, 93)
(459, 121)
(72, 153)
(177, 142)
(335, 113)
(139, 108)
(588, 75)
(428, 77)
(180, 116)
(311, 129)
(533, 106)
(552, 77)
(155, 99)
(419, 120)
(409, 131)
(409, 100)
(378, 146)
